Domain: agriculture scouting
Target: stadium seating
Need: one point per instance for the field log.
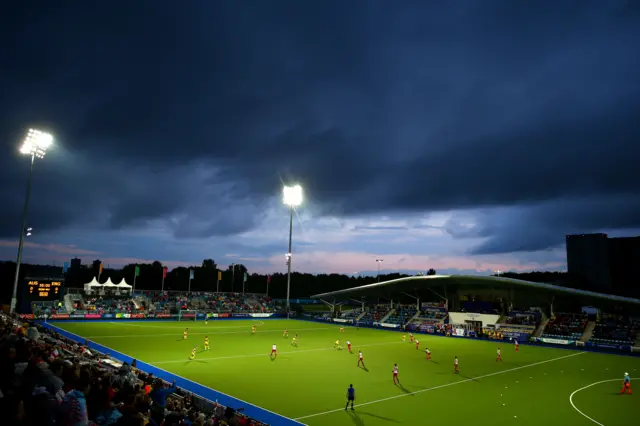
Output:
(44, 375)
(350, 315)
(429, 315)
(564, 326)
(402, 315)
(523, 318)
(375, 314)
(613, 329)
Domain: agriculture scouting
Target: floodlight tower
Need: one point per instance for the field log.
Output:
(292, 197)
(35, 144)
(379, 262)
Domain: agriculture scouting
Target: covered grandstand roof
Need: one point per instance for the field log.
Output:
(420, 283)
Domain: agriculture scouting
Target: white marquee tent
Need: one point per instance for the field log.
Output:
(123, 285)
(94, 284)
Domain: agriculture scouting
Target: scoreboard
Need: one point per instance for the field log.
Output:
(44, 289)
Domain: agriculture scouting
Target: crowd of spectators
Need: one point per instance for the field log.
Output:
(523, 318)
(48, 380)
(170, 302)
(566, 325)
(615, 329)
(105, 304)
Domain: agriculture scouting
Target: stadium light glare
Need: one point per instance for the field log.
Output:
(35, 144)
(292, 197)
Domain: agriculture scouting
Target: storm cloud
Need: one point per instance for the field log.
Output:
(193, 115)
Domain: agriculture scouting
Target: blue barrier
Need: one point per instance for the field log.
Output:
(253, 411)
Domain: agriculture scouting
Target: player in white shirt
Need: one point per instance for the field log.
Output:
(498, 356)
(274, 352)
(456, 367)
(428, 352)
(517, 345)
(396, 380)
(360, 359)
(349, 346)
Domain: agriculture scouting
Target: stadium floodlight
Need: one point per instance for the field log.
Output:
(35, 144)
(292, 197)
(379, 262)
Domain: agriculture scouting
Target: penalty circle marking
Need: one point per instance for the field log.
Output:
(587, 387)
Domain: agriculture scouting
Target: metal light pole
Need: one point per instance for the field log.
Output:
(292, 196)
(379, 261)
(233, 275)
(35, 144)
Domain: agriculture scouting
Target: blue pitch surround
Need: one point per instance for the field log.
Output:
(253, 411)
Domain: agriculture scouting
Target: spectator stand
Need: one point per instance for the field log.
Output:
(50, 377)
(615, 329)
(565, 326)
(209, 396)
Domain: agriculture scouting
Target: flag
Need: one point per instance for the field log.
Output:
(137, 271)
(100, 268)
(245, 277)
(190, 274)
(268, 279)
(219, 275)
(65, 267)
(164, 272)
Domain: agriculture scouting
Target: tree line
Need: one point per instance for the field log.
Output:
(205, 278)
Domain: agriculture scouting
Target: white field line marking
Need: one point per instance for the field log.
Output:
(202, 333)
(265, 354)
(442, 386)
(184, 378)
(583, 388)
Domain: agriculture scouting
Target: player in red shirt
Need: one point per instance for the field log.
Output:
(498, 356)
(428, 352)
(360, 359)
(396, 380)
(417, 344)
(456, 367)
(517, 346)
(349, 346)
(274, 352)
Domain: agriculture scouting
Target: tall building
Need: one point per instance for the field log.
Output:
(76, 263)
(588, 258)
(624, 260)
(607, 264)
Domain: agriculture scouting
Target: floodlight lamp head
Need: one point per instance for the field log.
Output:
(36, 143)
(292, 195)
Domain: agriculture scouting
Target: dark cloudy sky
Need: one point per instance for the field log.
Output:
(468, 135)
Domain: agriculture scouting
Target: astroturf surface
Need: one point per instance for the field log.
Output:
(309, 382)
